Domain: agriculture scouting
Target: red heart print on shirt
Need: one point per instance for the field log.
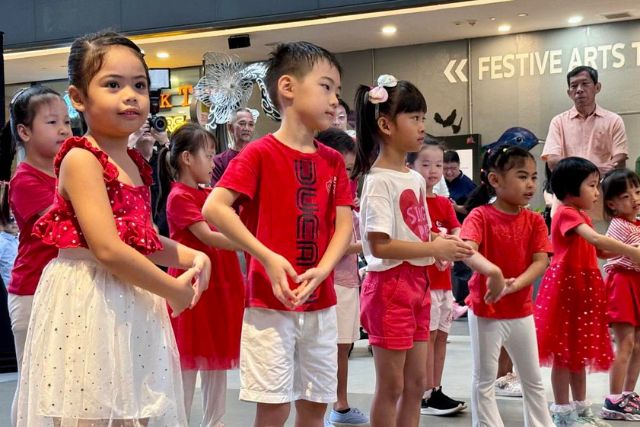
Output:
(414, 214)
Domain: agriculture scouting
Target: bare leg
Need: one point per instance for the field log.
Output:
(310, 414)
(634, 364)
(624, 335)
(560, 382)
(343, 371)
(431, 381)
(439, 354)
(414, 382)
(505, 365)
(579, 385)
(389, 365)
(271, 414)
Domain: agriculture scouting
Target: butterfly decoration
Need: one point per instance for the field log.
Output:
(449, 121)
(227, 85)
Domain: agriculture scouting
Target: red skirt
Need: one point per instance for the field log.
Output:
(571, 320)
(208, 336)
(623, 292)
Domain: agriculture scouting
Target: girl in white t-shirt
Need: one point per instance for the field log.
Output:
(398, 246)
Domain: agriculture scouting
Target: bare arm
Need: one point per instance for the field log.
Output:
(382, 246)
(535, 270)
(607, 244)
(495, 279)
(339, 243)
(354, 248)
(218, 210)
(81, 182)
(212, 238)
(619, 161)
(552, 160)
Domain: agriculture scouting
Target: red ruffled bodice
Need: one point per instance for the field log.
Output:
(131, 205)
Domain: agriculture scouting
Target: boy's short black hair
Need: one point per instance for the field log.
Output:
(338, 140)
(593, 73)
(296, 59)
(451, 156)
(569, 174)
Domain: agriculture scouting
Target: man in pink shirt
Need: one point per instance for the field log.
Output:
(586, 130)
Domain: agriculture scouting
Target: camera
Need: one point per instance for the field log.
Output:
(160, 78)
(158, 123)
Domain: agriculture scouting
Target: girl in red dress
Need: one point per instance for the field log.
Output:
(621, 189)
(208, 336)
(570, 312)
(100, 349)
(39, 123)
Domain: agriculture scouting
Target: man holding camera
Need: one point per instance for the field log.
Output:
(148, 141)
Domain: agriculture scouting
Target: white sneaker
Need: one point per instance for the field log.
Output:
(509, 385)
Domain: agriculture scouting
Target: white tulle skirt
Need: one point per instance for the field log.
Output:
(99, 352)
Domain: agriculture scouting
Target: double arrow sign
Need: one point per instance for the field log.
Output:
(458, 71)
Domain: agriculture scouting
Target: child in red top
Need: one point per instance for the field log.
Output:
(208, 336)
(295, 223)
(39, 122)
(621, 195)
(100, 348)
(512, 249)
(429, 163)
(570, 313)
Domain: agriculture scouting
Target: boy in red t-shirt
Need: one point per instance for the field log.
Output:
(295, 224)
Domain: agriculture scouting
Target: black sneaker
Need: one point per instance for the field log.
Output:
(439, 404)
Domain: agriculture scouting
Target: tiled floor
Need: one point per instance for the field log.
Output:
(361, 384)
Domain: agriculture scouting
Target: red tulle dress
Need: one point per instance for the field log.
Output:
(208, 335)
(570, 313)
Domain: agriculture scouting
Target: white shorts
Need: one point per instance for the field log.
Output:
(287, 356)
(348, 312)
(441, 310)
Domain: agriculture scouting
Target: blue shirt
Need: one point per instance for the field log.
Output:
(460, 188)
(8, 253)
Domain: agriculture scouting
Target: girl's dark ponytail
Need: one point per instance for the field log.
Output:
(367, 147)
(165, 178)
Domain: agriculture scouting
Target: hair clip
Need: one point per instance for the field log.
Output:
(378, 94)
(16, 95)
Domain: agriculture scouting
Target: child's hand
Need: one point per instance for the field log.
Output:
(309, 281)
(278, 268)
(452, 249)
(202, 264)
(495, 287)
(185, 293)
(510, 286)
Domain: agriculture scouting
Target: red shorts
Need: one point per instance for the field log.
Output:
(395, 306)
(623, 297)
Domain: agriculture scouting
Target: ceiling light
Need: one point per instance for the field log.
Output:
(504, 28)
(493, 18)
(389, 29)
(162, 55)
(575, 19)
(522, 15)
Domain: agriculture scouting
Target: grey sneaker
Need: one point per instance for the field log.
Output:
(354, 417)
(508, 385)
(586, 417)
